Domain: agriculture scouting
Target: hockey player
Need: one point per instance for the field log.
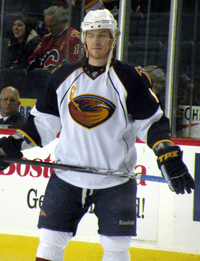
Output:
(99, 106)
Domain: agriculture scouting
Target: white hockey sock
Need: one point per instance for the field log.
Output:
(116, 248)
(116, 256)
(52, 244)
(50, 252)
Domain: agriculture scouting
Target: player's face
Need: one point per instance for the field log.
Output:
(53, 26)
(9, 102)
(98, 43)
(19, 30)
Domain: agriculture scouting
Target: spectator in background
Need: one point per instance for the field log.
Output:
(158, 79)
(89, 4)
(184, 89)
(112, 5)
(141, 6)
(52, 50)
(23, 42)
(10, 103)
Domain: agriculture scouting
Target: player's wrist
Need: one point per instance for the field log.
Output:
(162, 145)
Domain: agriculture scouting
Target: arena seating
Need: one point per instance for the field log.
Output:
(34, 83)
(144, 53)
(197, 61)
(29, 84)
(185, 57)
(27, 6)
(156, 28)
(12, 77)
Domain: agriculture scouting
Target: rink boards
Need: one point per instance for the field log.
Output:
(166, 221)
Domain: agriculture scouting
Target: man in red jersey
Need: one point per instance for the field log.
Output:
(52, 49)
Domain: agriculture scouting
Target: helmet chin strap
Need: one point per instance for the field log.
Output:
(109, 60)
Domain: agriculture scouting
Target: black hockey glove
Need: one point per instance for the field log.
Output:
(9, 147)
(174, 170)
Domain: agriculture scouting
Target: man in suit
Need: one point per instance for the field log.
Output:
(9, 102)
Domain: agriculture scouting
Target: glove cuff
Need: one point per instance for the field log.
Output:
(9, 148)
(161, 145)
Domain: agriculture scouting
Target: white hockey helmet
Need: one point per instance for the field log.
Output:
(99, 19)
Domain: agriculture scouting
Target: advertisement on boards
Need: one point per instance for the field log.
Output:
(26, 106)
(190, 128)
(186, 210)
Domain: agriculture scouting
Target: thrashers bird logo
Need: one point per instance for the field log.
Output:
(90, 110)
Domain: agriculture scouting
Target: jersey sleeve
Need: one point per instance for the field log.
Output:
(74, 45)
(159, 131)
(143, 106)
(153, 126)
(44, 124)
(154, 129)
(142, 103)
(34, 59)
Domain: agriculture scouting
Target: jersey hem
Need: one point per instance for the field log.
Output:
(117, 181)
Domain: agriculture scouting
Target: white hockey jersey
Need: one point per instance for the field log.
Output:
(98, 123)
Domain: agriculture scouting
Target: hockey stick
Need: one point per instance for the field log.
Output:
(88, 170)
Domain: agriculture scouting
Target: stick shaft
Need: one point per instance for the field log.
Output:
(89, 170)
